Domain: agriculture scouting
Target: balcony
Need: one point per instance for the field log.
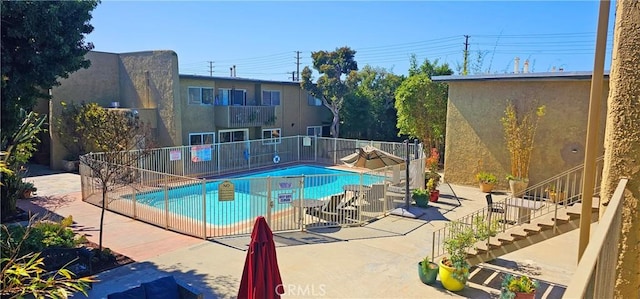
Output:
(244, 116)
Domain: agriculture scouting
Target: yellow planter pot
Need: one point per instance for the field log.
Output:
(447, 279)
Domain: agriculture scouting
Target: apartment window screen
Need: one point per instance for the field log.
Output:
(233, 135)
(202, 138)
(238, 97)
(313, 101)
(270, 98)
(200, 95)
(314, 131)
(271, 136)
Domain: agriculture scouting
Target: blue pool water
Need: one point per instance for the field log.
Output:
(252, 191)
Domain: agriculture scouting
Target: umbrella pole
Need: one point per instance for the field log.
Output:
(408, 211)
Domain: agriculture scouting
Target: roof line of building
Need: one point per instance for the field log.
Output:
(237, 79)
(520, 76)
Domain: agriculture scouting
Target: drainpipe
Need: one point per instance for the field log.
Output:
(591, 145)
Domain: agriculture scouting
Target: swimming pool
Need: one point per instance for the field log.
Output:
(251, 193)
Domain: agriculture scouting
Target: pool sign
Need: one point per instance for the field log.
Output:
(175, 155)
(226, 191)
(285, 197)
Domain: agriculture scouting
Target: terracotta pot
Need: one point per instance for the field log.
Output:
(486, 187)
(520, 295)
(434, 195)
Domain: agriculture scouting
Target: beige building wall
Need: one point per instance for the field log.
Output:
(475, 137)
(146, 81)
(150, 79)
(102, 88)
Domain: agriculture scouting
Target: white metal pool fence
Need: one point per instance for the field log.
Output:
(178, 188)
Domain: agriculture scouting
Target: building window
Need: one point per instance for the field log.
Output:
(270, 98)
(270, 136)
(233, 135)
(313, 101)
(235, 97)
(200, 95)
(202, 138)
(314, 131)
(224, 96)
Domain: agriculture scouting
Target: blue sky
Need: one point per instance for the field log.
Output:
(261, 38)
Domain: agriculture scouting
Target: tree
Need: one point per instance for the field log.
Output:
(18, 148)
(422, 103)
(369, 111)
(41, 41)
(622, 143)
(338, 77)
(75, 127)
(121, 140)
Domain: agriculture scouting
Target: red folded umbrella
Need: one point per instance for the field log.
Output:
(261, 276)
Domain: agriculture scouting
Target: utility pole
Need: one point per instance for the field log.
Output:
(465, 61)
(297, 78)
(210, 68)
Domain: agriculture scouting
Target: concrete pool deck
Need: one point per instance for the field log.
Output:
(378, 260)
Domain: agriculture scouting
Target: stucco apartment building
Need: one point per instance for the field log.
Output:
(185, 109)
(475, 138)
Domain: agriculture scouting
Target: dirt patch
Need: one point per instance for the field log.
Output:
(99, 265)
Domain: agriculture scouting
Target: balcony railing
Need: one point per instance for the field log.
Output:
(244, 116)
(596, 275)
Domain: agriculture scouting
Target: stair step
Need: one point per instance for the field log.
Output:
(519, 233)
(532, 228)
(562, 218)
(481, 246)
(505, 238)
(495, 243)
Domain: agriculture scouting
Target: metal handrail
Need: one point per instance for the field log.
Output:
(594, 277)
(568, 191)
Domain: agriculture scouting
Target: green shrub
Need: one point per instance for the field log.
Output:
(43, 234)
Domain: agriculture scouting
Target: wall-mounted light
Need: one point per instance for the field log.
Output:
(574, 150)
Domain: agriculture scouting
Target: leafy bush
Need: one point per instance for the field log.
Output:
(486, 177)
(43, 234)
(24, 275)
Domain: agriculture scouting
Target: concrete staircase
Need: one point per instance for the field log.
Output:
(567, 218)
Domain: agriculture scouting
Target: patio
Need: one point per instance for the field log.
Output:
(375, 261)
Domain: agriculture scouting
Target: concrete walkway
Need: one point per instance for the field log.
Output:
(375, 261)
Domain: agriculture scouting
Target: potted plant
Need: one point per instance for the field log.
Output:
(431, 164)
(519, 135)
(486, 180)
(421, 197)
(454, 268)
(427, 271)
(556, 193)
(432, 187)
(27, 189)
(518, 287)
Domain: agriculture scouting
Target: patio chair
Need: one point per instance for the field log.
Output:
(335, 209)
(497, 209)
(491, 207)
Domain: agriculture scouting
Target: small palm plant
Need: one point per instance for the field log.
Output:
(512, 285)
